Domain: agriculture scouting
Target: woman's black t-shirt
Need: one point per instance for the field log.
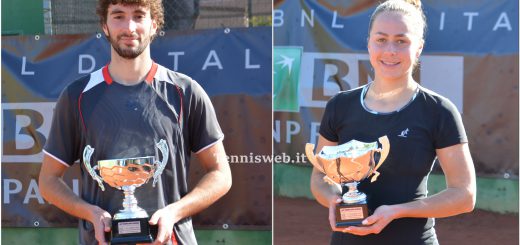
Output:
(428, 122)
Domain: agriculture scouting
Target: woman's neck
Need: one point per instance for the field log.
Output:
(389, 96)
(383, 90)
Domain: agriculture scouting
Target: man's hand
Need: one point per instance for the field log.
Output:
(165, 218)
(213, 185)
(101, 220)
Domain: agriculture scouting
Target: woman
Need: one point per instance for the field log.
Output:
(421, 126)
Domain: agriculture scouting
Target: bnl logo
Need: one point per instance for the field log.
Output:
(310, 79)
(25, 127)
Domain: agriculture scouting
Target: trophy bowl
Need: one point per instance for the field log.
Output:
(127, 175)
(130, 224)
(346, 165)
(127, 172)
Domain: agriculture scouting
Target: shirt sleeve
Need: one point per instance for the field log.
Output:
(450, 129)
(204, 129)
(328, 124)
(63, 143)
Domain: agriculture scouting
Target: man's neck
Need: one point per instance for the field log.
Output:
(130, 71)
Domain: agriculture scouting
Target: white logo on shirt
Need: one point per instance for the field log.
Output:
(404, 133)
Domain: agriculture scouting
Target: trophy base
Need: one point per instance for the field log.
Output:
(351, 214)
(132, 231)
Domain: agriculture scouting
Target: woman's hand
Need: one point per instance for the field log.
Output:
(332, 213)
(376, 222)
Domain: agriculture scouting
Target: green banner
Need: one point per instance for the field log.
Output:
(286, 74)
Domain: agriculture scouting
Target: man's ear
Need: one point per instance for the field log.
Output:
(154, 27)
(105, 29)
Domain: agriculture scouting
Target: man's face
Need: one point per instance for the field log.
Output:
(129, 29)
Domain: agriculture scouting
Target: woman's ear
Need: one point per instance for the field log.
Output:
(419, 49)
(368, 40)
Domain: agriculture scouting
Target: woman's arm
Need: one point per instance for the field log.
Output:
(326, 194)
(321, 190)
(458, 197)
(460, 193)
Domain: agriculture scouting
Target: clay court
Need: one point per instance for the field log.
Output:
(304, 221)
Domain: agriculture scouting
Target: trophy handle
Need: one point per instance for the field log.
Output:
(309, 151)
(384, 153)
(163, 147)
(87, 153)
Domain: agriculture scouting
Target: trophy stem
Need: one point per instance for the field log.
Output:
(130, 208)
(353, 195)
(130, 202)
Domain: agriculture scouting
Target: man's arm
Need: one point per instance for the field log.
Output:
(213, 185)
(54, 190)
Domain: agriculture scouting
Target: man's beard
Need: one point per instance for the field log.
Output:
(128, 53)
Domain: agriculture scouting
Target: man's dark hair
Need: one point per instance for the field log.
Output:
(155, 6)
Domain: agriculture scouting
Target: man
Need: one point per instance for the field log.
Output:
(122, 110)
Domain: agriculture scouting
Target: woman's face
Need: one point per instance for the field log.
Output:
(394, 45)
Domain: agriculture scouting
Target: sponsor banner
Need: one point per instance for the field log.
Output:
(232, 65)
(470, 56)
(286, 72)
(451, 25)
(22, 202)
(223, 62)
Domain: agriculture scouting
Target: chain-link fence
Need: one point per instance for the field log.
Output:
(79, 16)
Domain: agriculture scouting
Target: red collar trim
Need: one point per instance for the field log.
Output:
(106, 75)
(151, 73)
(149, 77)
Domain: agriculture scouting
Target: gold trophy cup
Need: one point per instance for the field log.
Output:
(129, 225)
(347, 165)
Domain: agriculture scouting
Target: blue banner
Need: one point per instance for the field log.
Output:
(470, 56)
(470, 27)
(223, 61)
(232, 65)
